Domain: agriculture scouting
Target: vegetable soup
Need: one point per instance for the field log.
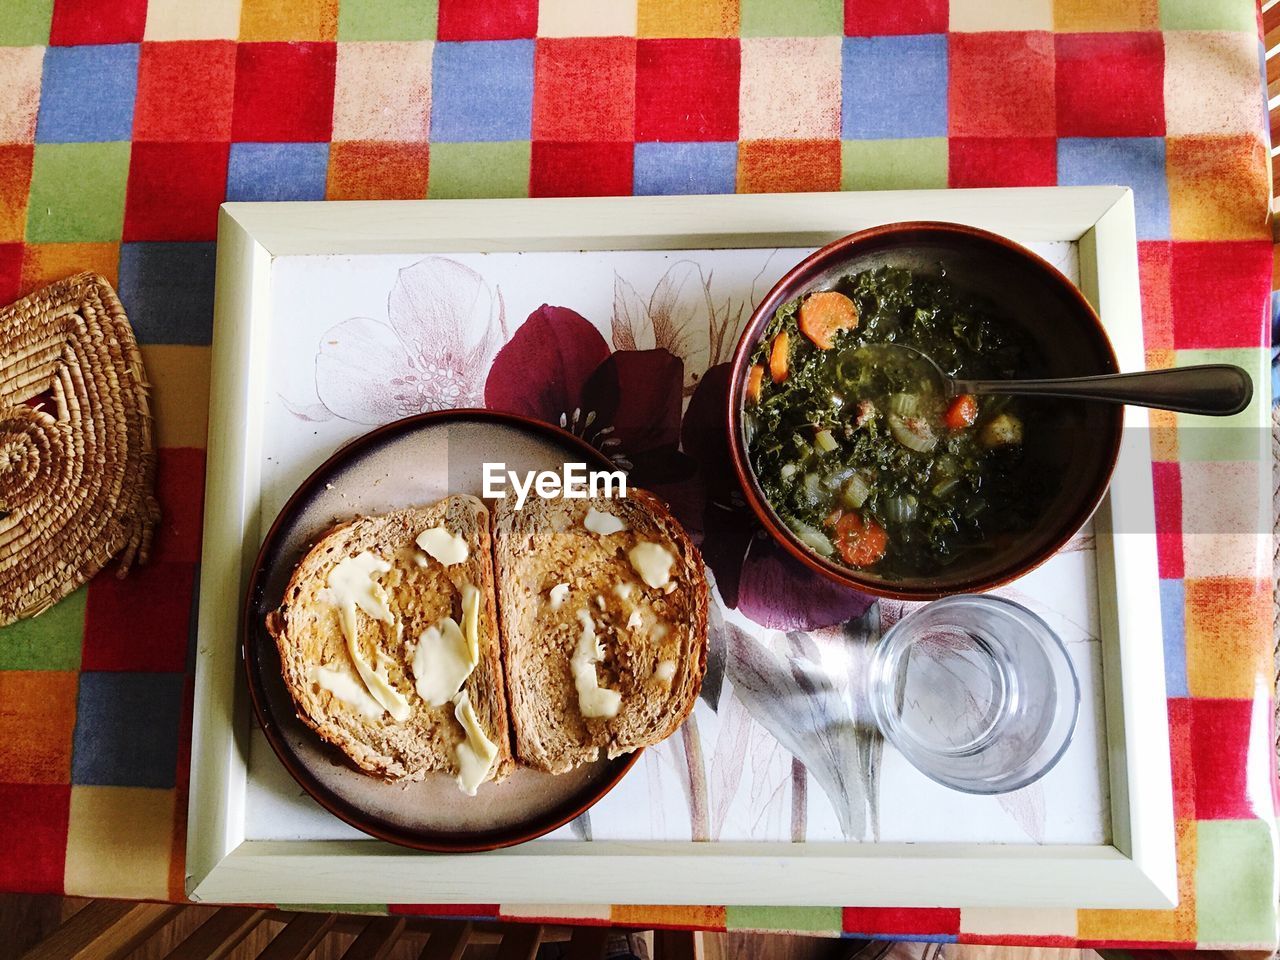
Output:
(857, 449)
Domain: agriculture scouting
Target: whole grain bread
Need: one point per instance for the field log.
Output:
(656, 664)
(420, 592)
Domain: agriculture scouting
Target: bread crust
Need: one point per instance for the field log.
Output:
(307, 634)
(550, 733)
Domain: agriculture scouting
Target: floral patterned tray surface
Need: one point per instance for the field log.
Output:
(629, 349)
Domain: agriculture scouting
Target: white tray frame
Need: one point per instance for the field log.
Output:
(1137, 869)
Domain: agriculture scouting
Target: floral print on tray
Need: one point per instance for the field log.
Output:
(779, 746)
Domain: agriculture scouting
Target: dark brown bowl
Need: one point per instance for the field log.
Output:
(1063, 331)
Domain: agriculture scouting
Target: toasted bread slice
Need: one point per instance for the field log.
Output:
(652, 638)
(420, 591)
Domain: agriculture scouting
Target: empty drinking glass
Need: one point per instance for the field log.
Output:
(978, 693)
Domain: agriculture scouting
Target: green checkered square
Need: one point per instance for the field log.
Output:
(1245, 436)
(462, 170)
(792, 18)
(25, 23)
(387, 20)
(1207, 15)
(51, 641)
(819, 920)
(77, 192)
(893, 164)
(1235, 880)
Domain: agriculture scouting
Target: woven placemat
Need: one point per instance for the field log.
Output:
(77, 464)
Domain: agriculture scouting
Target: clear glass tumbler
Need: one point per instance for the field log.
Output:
(977, 692)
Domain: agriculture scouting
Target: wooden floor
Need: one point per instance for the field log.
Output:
(25, 920)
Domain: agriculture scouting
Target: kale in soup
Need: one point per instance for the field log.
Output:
(857, 450)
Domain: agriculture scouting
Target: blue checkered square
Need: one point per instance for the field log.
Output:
(167, 288)
(1136, 162)
(1173, 623)
(685, 168)
(277, 171)
(87, 94)
(127, 727)
(894, 87)
(482, 91)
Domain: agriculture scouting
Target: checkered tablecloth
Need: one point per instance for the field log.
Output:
(123, 125)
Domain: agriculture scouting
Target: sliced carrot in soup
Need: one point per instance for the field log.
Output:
(861, 542)
(823, 315)
(780, 357)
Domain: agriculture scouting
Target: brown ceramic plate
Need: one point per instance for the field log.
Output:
(1064, 333)
(416, 460)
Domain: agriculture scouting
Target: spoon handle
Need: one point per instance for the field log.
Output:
(1212, 389)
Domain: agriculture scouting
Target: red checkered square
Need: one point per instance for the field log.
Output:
(77, 22)
(573, 72)
(140, 623)
(580, 169)
(891, 921)
(1001, 84)
(876, 18)
(33, 836)
(182, 769)
(1110, 84)
(1184, 774)
(180, 489)
(444, 909)
(284, 91)
(1153, 276)
(10, 271)
(1219, 748)
(174, 191)
(687, 89)
(1167, 478)
(1220, 293)
(487, 19)
(1003, 161)
(186, 89)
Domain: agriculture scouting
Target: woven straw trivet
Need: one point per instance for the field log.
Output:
(77, 465)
